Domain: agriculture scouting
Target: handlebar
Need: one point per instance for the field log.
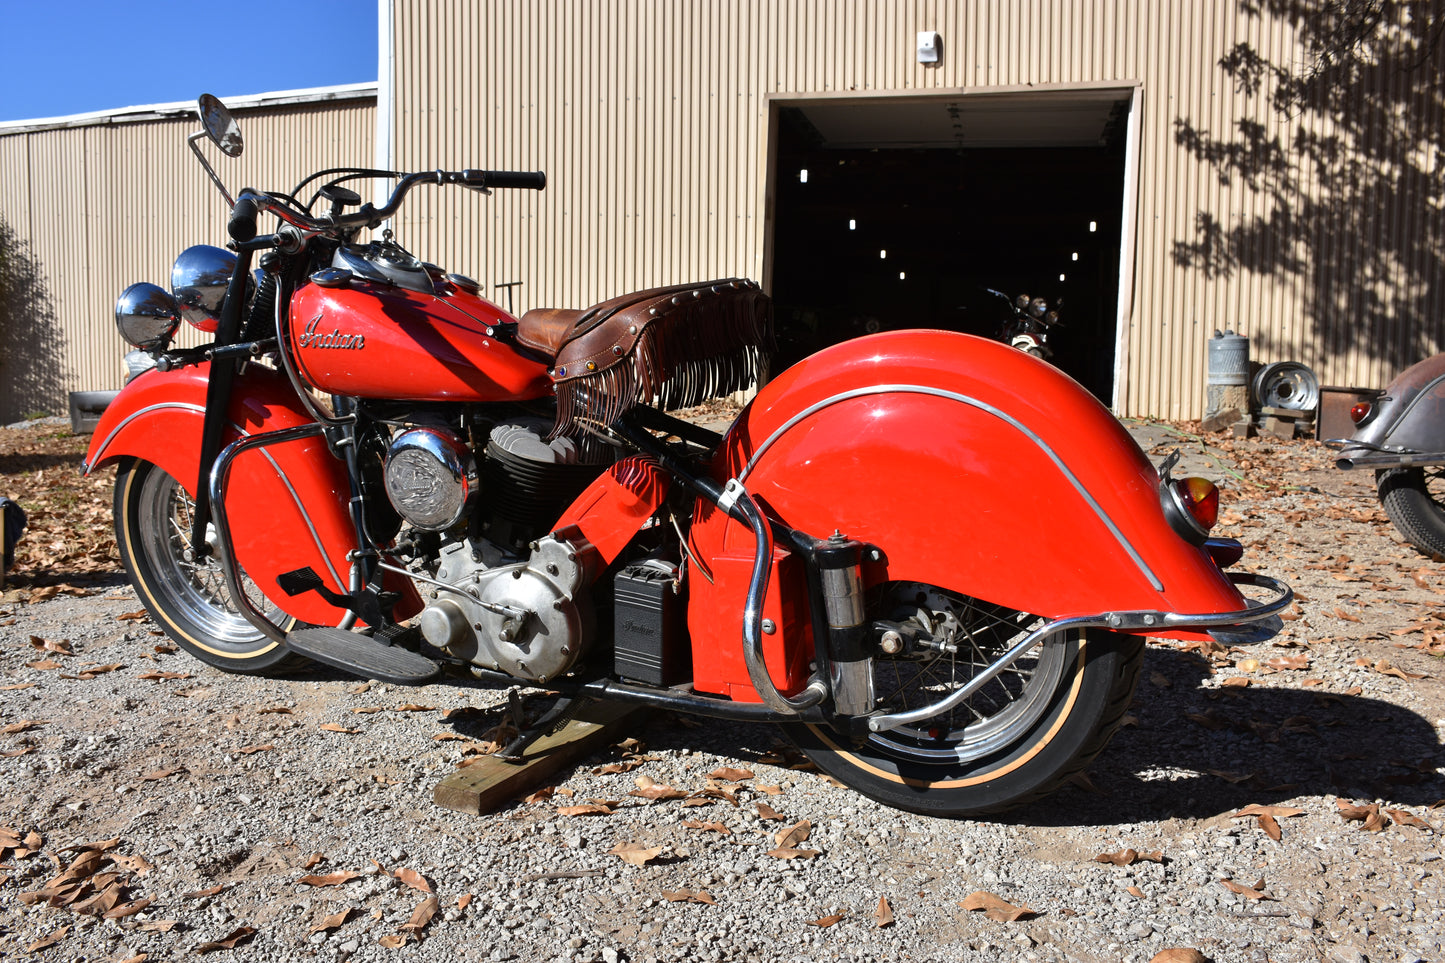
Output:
(249, 203)
(242, 226)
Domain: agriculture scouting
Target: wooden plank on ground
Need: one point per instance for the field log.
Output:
(490, 782)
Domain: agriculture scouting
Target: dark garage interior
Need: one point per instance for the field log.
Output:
(909, 212)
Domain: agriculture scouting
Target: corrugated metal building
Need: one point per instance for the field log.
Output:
(1094, 150)
(103, 200)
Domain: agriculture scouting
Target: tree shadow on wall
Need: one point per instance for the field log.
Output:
(31, 340)
(1354, 190)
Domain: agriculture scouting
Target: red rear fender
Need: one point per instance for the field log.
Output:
(158, 418)
(972, 466)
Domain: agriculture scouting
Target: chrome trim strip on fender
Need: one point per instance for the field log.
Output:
(179, 405)
(982, 406)
(1119, 621)
(201, 410)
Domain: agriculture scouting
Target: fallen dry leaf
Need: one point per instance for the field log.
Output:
(233, 939)
(202, 893)
(137, 864)
(49, 940)
(421, 916)
(541, 795)
(333, 921)
(1278, 812)
(274, 711)
(635, 854)
(392, 941)
(712, 827)
(1270, 826)
(995, 908)
(882, 913)
(1385, 668)
(1179, 955)
(1410, 819)
(330, 879)
(413, 879)
(333, 727)
(24, 725)
(131, 616)
(791, 836)
(1128, 857)
(585, 809)
(162, 676)
(826, 921)
(251, 750)
(688, 896)
(767, 812)
(769, 790)
(128, 909)
(464, 900)
(1248, 892)
(728, 774)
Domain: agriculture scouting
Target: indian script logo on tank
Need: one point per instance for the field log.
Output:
(311, 338)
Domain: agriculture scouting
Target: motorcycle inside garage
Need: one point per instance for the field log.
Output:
(892, 213)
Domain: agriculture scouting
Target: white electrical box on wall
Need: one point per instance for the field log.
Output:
(930, 45)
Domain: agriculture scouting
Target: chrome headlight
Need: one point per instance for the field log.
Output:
(431, 478)
(147, 316)
(199, 280)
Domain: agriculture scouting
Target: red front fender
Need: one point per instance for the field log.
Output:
(158, 417)
(972, 466)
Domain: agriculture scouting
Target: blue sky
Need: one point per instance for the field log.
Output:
(74, 56)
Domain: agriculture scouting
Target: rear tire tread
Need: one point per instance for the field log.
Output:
(1415, 513)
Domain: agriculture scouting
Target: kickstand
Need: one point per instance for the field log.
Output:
(553, 719)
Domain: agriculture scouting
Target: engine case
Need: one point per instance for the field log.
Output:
(532, 619)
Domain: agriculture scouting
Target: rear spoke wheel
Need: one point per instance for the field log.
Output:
(1017, 738)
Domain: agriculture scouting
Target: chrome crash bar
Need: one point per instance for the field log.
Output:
(1118, 621)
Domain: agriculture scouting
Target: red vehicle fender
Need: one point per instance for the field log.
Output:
(617, 504)
(971, 466)
(158, 417)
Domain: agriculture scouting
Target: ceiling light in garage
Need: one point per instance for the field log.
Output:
(1074, 256)
(882, 255)
(1093, 225)
(852, 224)
(902, 276)
(803, 179)
(1061, 277)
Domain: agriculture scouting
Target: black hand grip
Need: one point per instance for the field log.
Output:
(242, 226)
(526, 180)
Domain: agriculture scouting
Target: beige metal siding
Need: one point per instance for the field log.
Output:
(651, 119)
(104, 205)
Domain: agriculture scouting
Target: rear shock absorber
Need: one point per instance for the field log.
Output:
(850, 663)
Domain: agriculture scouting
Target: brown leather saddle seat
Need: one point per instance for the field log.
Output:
(675, 346)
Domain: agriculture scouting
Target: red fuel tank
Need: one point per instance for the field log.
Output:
(373, 341)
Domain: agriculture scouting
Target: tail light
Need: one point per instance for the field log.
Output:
(1192, 507)
(1360, 412)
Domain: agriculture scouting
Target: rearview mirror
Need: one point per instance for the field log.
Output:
(220, 126)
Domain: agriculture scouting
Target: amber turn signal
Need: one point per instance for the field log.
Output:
(1192, 507)
(1360, 412)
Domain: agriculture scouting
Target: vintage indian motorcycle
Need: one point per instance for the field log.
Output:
(927, 556)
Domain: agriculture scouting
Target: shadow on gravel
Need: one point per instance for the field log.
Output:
(1196, 752)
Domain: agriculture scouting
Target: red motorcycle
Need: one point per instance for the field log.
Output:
(929, 558)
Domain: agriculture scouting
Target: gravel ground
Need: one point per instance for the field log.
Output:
(212, 798)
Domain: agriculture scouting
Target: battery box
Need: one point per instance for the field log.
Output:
(650, 626)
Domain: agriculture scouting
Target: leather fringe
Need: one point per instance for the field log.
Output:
(695, 347)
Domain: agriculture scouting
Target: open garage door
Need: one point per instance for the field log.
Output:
(936, 211)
